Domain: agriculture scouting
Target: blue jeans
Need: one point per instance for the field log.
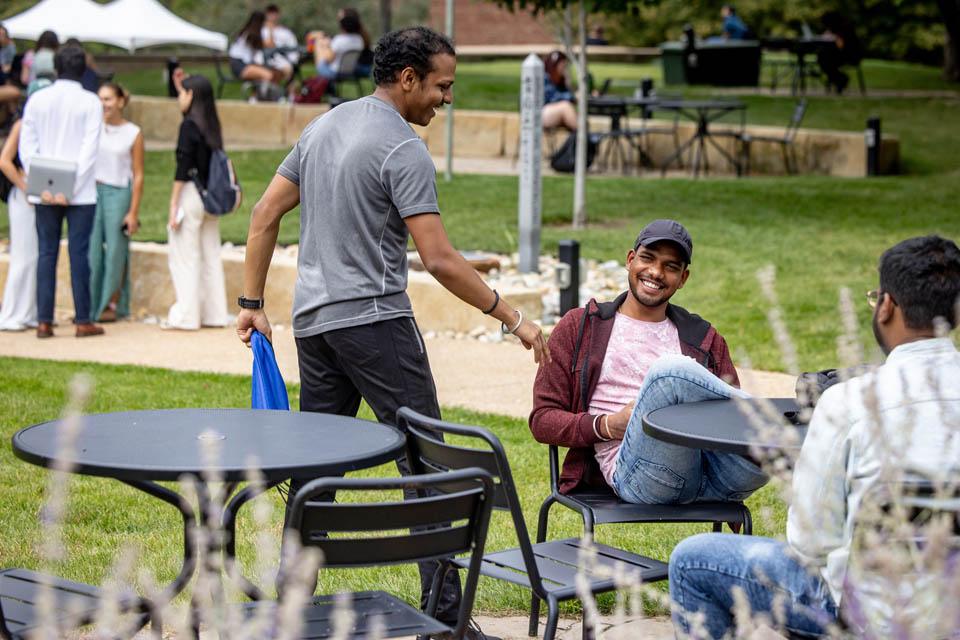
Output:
(705, 567)
(650, 471)
(49, 226)
(325, 71)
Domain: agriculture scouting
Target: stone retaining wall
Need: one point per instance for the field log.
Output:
(492, 134)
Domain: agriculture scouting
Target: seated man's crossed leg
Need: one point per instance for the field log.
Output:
(651, 471)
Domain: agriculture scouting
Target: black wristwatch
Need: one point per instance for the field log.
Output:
(247, 303)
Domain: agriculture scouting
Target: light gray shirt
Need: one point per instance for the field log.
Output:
(904, 416)
(361, 170)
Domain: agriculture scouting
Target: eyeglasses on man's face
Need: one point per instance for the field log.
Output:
(873, 297)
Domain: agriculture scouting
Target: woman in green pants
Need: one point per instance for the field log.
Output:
(119, 173)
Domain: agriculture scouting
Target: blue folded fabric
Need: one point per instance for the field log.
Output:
(269, 391)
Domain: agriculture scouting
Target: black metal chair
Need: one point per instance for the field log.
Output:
(613, 145)
(227, 77)
(346, 74)
(548, 569)
(785, 141)
(449, 517)
(75, 604)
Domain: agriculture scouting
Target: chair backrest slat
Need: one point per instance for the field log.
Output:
(384, 516)
(417, 546)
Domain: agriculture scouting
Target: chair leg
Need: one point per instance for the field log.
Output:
(747, 521)
(533, 628)
(553, 616)
(588, 629)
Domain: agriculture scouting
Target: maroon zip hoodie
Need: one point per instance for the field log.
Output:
(563, 387)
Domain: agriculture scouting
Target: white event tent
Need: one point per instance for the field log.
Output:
(130, 24)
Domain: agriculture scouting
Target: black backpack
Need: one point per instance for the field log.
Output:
(222, 194)
(566, 156)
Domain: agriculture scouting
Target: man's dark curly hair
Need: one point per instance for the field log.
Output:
(412, 47)
(923, 276)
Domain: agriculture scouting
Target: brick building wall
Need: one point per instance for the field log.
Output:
(482, 22)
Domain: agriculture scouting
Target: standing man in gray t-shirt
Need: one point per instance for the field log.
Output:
(365, 183)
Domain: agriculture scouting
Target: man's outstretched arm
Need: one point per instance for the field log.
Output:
(281, 196)
(452, 271)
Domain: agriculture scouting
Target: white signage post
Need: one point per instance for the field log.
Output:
(531, 157)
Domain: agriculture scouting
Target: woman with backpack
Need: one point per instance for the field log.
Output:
(119, 173)
(19, 310)
(193, 235)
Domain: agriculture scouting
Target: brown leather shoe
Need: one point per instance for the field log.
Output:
(88, 329)
(44, 330)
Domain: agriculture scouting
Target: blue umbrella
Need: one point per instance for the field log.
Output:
(269, 391)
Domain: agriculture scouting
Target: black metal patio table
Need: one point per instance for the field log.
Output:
(618, 109)
(720, 425)
(142, 448)
(800, 48)
(704, 113)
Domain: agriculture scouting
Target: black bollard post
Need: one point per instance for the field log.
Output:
(646, 90)
(646, 87)
(569, 253)
(872, 137)
(172, 64)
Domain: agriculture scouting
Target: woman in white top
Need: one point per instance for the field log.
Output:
(246, 53)
(119, 174)
(19, 310)
(328, 52)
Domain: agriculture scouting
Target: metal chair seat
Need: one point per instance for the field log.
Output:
(396, 617)
(558, 562)
(75, 603)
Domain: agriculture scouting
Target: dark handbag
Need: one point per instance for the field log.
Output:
(810, 386)
(5, 187)
(5, 184)
(565, 158)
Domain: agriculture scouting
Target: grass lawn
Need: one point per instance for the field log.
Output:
(106, 515)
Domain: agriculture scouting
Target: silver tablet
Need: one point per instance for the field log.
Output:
(53, 175)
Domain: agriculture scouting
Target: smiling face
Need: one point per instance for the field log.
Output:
(424, 96)
(654, 273)
(112, 103)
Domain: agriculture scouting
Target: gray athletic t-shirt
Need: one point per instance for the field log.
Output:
(361, 170)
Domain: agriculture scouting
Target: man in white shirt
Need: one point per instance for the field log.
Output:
(901, 418)
(63, 122)
(276, 36)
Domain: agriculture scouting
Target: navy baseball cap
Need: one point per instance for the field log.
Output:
(666, 230)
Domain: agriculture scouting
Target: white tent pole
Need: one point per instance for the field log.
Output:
(448, 173)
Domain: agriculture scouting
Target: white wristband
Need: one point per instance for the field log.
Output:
(503, 326)
(597, 433)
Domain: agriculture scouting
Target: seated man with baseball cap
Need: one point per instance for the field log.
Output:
(614, 361)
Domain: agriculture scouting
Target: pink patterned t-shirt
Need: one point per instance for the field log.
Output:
(634, 346)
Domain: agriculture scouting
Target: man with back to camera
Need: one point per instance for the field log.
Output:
(63, 122)
(365, 183)
(901, 417)
(615, 361)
